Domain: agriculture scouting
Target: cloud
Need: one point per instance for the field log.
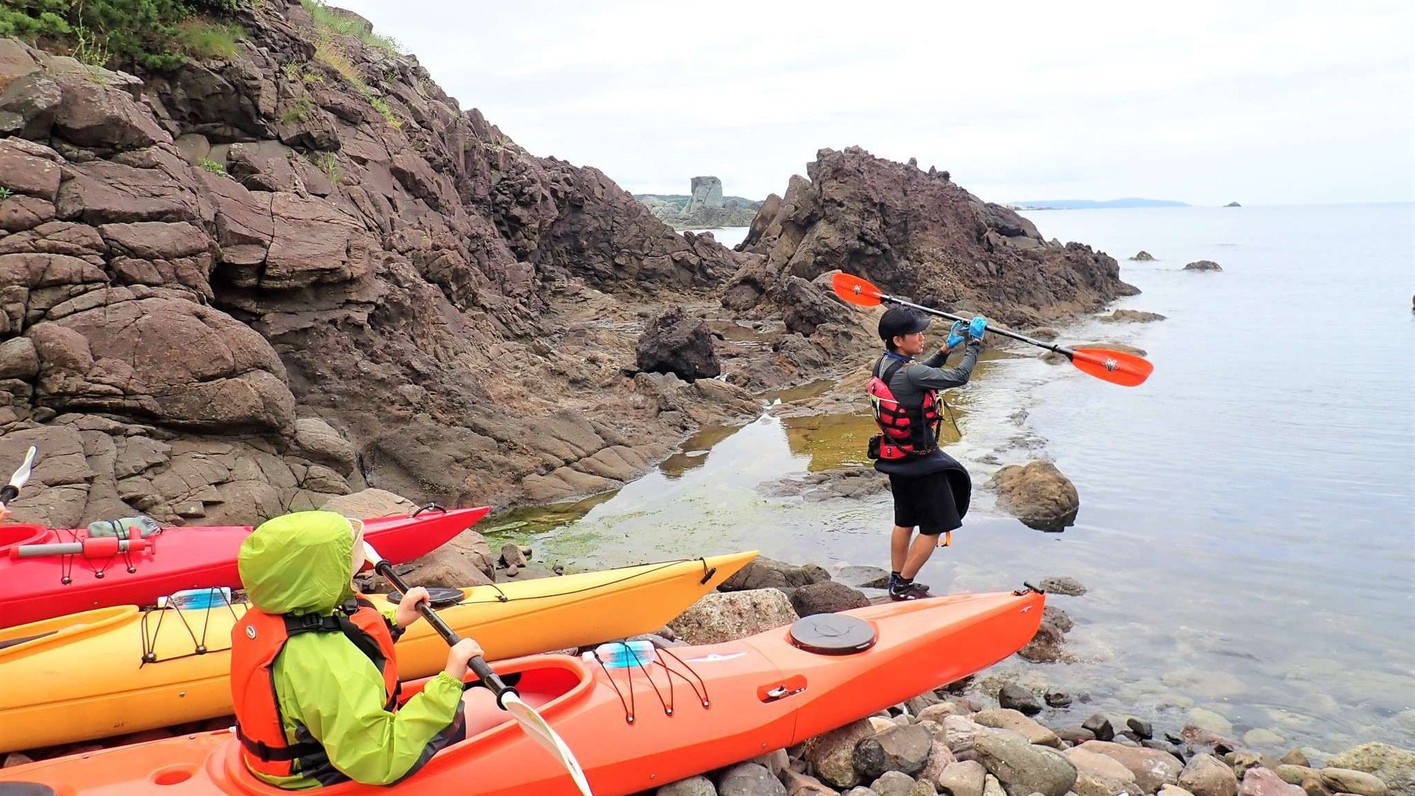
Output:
(1201, 101)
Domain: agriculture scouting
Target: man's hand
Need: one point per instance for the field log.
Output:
(407, 612)
(955, 334)
(977, 327)
(4, 514)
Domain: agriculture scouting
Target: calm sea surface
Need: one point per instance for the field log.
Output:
(1247, 524)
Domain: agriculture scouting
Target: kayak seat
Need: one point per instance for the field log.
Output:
(833, 634)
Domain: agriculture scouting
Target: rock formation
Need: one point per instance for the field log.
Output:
(1203, 265)
(916, 234)
(704, 207)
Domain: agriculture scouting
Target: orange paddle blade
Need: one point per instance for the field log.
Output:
(1116, 367)
(855, 290)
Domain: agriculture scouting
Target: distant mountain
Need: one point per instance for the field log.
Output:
(1089, 204)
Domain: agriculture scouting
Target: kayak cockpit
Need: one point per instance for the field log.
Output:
(552, 684)
(14, 535)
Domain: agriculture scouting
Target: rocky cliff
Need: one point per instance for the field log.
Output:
(287, 271)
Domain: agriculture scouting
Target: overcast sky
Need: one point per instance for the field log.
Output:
(1198, 101)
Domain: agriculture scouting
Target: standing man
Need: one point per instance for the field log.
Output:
(931, 490)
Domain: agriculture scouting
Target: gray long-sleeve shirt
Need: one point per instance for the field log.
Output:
(911, 381)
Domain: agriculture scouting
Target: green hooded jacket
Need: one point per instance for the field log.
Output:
(329, 691)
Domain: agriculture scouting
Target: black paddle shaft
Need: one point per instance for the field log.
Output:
(1015, 336)
(477, 664)
(8, 493)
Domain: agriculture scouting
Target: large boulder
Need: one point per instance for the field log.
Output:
(726, 616)
(1038, 494)
(1395, 766)
(674, 343)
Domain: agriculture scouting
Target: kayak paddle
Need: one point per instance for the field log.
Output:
(506, 696)
(1116, 367)
(11, 490)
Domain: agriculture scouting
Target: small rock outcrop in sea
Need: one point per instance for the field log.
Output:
(1233, 204)
(1143, 256)
(1131, 316)
(1203, 265)
(1037, 494)
(704, 207)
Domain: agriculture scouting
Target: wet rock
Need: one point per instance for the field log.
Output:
(826, 597)
(1131, 316)
(831, 755)
(903, 749)
(1142, 256)
(1395, 766)
(692, 786)
(940, 756)
(849, 483)
(1037, 494)
(1058, 699)
(863, 577)
(1015, 697)
(1063, 585)
(1152, 768)
(725, 616)
(1099, 775)
(1261, 736)
(1259, 781)
(1206, 775)
(1100, 726)
(749, 779)
(1023, 768)
(674, 343)
(1075, 735)
(1295, 757)
(1008, 719)
(768, 573)
(1345, 780)
(1206, 719)
(1045, 646)
(1203, 265)
(1143, 729)
(1057, 617)
(799, 784)
(512, 556)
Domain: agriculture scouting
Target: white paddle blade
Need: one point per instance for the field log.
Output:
(22, 475)
(542, 734)
(371, 555)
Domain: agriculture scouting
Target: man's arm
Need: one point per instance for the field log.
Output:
(929, 376)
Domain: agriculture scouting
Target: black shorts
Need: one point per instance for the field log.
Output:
(924, 501)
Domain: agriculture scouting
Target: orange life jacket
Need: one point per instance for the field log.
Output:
(906, 431)
(257, 640)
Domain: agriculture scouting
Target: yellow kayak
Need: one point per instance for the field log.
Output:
(119, 670)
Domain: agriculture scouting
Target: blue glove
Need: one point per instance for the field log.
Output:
(955, 334)
(977, 327)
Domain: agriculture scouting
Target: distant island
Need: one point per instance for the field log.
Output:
(1233, 204)
(705, 207)
(1089, 204)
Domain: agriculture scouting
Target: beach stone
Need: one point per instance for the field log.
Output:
(1063, 585)
(1296, 757)
(1173, 790)
(895, 783)
(961, 733)
(1261, 736)
(1099, 775)
(940, 711)
(1151, 767)
(1015, 697)
(1141, 728)
(1057, 699)
(1206, 719)
(1206, 775)
(863, 577)
(860, 790)
(826, 597)
(963, 778)
(1100, 726)
(903, 749)
(940, 758)
(692, 786)
(726, 616)
(993, 787)
(917, 705)
(830, 755)
(1259, 781)
(1008, 719)
(775, 762)
(1395, 766)
(1143, 256)
(799, 784)
(1346, 780)
(768, 573)
(1023, 768)
(1075, 735)
(749, 779)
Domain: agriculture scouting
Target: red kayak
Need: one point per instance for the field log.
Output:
(46, 573)
(682, 711)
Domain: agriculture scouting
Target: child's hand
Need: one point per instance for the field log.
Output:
(407, 612)
(460, 656)
(4, 514)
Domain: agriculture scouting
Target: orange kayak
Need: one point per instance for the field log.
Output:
(690, 710)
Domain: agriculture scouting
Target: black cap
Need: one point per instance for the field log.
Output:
(900, 321)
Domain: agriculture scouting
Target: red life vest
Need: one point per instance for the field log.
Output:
(255, 643)
(906, 431)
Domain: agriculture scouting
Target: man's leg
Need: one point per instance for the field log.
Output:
(899, 548)
(919, 552)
